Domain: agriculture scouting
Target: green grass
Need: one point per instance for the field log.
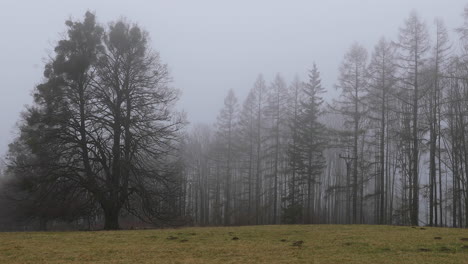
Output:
(256, 244)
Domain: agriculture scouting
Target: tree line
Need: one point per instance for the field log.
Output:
(103, 145)
(391, 149)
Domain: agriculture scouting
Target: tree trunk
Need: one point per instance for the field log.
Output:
(355, 156)
(111, 217)
(275, 194)
(415, 154)
(382, 160)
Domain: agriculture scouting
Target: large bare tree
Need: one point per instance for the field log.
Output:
(104, 114)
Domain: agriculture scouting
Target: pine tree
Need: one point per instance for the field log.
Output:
(310, 138)
(292, 212)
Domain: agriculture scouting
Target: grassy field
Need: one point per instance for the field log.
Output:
(251, 244)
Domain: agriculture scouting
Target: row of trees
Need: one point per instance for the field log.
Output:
(102, 140)
(390, 150)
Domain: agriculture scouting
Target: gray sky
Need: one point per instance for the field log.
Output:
(210, 46)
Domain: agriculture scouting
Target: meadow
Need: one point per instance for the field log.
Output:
(246, 244)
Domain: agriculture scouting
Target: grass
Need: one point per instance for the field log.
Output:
(255, 244)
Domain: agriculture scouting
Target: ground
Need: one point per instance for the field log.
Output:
(249, 244)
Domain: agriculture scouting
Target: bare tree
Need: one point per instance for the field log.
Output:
(381, 70)
(105, 110)
(352, 82)
(277, 112)
(413, 45)
(226, 125)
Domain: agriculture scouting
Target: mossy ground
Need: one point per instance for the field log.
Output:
(255, 244)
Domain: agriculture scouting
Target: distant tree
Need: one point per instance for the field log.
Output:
(226, 129)
(382, 79)
(259, 92)
(311, 138)
(277, 112)
(198, 161)
(30, 197)
(439, 61)
(413, 45)
(292, 213)
(352, 82)
(247, 129)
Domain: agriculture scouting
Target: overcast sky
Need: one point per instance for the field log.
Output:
(210, 46)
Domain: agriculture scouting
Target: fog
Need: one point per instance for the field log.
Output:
(210, 46)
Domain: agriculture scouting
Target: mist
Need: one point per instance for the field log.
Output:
(209, 46)
(136, 115)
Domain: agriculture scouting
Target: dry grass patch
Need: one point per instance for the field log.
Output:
(250, 244)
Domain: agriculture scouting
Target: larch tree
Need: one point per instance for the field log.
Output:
(413, 45)
(259, 92)
(292, 212)
(352, 82)
(277, 113)
(439, 61)
(381, 73)
(247, 131)
(226, 129)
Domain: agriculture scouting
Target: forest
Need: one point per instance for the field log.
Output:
(389, 150)
(103, 146)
